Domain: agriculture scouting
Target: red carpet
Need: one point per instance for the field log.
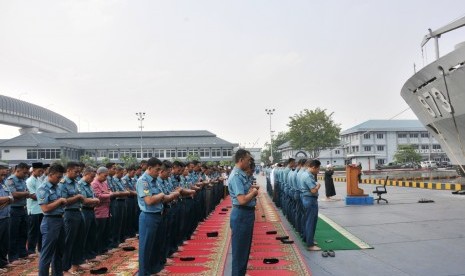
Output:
(264, 245)
(210, 252)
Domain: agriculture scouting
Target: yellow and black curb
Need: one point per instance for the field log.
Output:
(407, 183)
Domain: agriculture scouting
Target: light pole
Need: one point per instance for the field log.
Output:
(141, 116)
(270, 112)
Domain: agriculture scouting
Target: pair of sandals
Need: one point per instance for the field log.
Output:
(329, 253)
(425, 200)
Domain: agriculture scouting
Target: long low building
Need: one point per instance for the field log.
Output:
(165, 145)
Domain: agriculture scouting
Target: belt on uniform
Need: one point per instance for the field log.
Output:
(251, 208)
(73, 210)
(87, 208)
(121, 199)
(53, 216)
(152, 213)
(18, 207)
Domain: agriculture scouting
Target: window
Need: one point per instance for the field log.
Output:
(380, 161)
(136, 154)
(355, 148)
(102, 153)
(227, 152)
(159, 153)
(31, 154)
(170, 153)
(48, 154)
(147, 153)
(436, 146)
(380, 148)
(424, 146)
(6, 151)
(413, 135)
(424, 135)
(402, 135)
(366, 136)
(125, 153)
(367, 148)
(380, 136)
(182, 153)
(193, 152)
(337, 151)
(113, 154)
(216, 152)
(204, 152)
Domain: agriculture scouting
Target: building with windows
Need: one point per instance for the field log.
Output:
(375, 142)
(165, 145)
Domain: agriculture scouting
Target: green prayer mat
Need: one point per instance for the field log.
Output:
(331, 236)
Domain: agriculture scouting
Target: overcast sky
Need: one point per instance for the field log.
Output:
(216, 65)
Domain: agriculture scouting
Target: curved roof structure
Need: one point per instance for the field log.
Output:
(25, 115)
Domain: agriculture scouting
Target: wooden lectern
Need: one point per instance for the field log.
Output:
(352, 172)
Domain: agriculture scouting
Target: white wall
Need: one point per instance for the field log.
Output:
(14, 154)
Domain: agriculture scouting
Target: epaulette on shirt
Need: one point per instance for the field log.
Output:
(146, 188)
(9, 181)
(62, 180)
(41, 194)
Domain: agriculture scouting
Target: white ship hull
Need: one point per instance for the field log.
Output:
(438, 100)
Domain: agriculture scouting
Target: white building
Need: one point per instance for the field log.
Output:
(375, 142)
(165, 145)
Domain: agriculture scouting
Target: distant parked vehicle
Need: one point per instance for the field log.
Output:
(445, 164)
(390, 165)
(428, 164)
(396, 165)
(412, 165)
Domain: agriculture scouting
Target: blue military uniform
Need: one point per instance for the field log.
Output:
(4, 226)
(131, 207)
(18, 220)
(74, 225)
(164, 235)
(149, 220)
(119, 214)
(241, 221)
(53, 231)
(310, 204)
(189, 208)
(90, 232)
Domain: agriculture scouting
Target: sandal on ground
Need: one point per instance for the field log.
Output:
(324, 254)
(331, 253)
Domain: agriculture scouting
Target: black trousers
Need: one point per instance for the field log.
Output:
(4, 240)
(34, 238)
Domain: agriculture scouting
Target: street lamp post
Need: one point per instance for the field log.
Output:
(270, 112)
(141, 117)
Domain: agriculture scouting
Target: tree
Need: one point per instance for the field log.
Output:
(406, 153)
(88, 160)
(104, 161)
(313, 130)
(192, 157)
(280, 139)
(63, 160)
(128, 160)
(226, 163)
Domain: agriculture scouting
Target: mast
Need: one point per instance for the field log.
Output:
(437, 33)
